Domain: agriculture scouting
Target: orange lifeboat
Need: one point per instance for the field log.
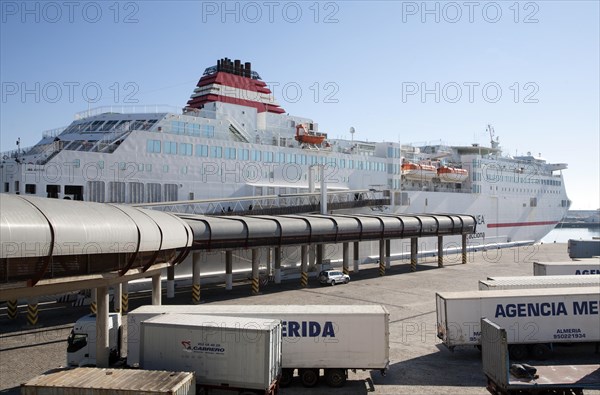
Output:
(304, 136)
(417, 171)
(452, 174)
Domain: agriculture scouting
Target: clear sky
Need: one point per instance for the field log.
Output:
(397, 71)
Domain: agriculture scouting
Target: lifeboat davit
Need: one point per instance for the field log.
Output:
(304, 136)
(452, 174)
(419, 172)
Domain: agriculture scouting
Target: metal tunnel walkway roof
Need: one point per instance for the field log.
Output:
(236, 232)
(43, 237)
(49, 238)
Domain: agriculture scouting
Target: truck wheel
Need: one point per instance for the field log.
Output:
(332, 282)
(286, 377)
(518, 351)
(335, 377)
(541, 352)
(309, 377)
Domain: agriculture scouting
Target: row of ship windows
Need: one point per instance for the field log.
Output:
(528, 179)
(244, 154)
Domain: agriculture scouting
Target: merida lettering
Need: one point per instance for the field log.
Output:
(531, 309)
(307, 329)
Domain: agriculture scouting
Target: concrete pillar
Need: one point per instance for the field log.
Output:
(93, 303)
(156, 290)
(320, 255)
(255, 287)
(345, 257)
(117, 297)
(303, 266)
(355, 253)
(382, 257)
(196, 259)
(170, 282)
(32, 311)
(277, 265)
(413, 253)
(269, 268)
(124, 297)
(228, 270)
(440, 253)
(102, 340)
(388, 253)
(464, 248)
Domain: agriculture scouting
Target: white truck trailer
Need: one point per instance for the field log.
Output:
(232, 353)
(530, 282)
(316, 338)
(96, 381)
(589, 266)
(534, 318)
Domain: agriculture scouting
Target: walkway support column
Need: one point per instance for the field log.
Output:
(156, 290)
(277, 265)
(269, 266)
(32, 311)
(102, 341)
(117, 297)
(464, 248)
(382, 257)
(255, 288)
(303, 265)
(94, 297)
(440, 251)
(345, 257)
(228, 270)
(320, 254)
(196, 257)
(170, 282)
(124, 297)
(414, 243)
(355, 252)
(388, 253)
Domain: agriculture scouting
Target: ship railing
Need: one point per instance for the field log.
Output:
(131, 109)
(276, 204)
(51, 133)
(199, 113)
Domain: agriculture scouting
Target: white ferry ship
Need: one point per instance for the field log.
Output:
(232, 139)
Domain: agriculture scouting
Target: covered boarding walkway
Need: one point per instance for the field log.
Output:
(51, 246)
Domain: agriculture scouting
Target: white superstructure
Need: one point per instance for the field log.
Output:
(233, 140)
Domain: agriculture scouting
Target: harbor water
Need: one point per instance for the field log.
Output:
(562, 235)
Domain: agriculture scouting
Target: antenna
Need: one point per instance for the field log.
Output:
(352, 131)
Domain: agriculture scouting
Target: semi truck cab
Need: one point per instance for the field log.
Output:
(81, 349)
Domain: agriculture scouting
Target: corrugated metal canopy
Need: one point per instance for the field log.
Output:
(235, 232)
(30, 225)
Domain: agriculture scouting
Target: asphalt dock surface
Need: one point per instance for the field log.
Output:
(420, 364)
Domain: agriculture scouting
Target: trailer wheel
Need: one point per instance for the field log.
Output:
(309, 377)
(541, 352)
(286, 377)
(518, 351)
(335, 377)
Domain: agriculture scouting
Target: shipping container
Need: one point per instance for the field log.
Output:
(532, 316)
(333, 338)
(588, 266)
(232, 352)
(583, 248)
(529, 282)
(96, 381)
